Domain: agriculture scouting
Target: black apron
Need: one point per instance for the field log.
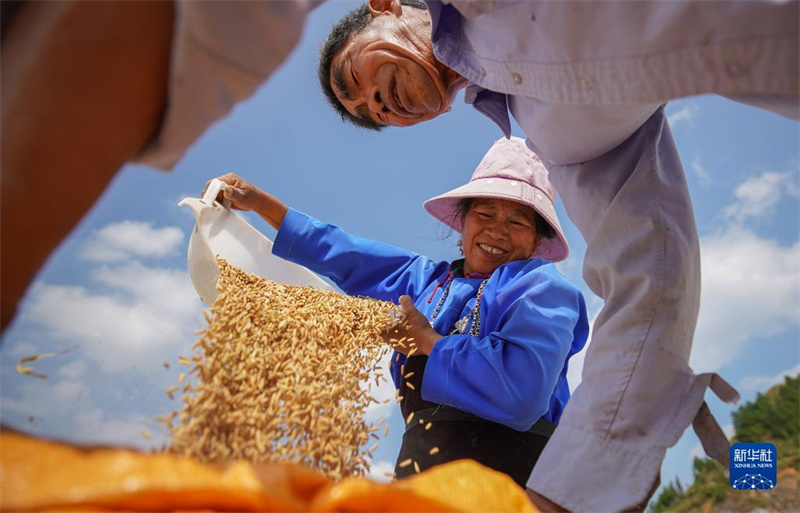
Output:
(459, 435)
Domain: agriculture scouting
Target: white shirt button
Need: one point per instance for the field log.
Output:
(736, 68)
(517, 78)
(585, 83)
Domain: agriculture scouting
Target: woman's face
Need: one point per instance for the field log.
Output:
(495, 232)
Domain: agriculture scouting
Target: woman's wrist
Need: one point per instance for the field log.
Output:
(428, 342)
(272, 210)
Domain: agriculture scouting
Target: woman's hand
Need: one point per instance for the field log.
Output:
(242, 194)
(413, 334)
(245, 196)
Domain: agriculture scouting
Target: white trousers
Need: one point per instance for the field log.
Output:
(638, 393)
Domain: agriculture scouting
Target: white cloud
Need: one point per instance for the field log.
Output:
(381, 471)
(743, 297)
(764, 383)
(43, 398)
(683, 116)
(571, 268)
(73, 370)
(740, 300)
(67, 389)
(165, 289)
(147, 316)
(729, 430)
(121, 240)
(127, 318)
(758, 196)
(125, 430)
(575, 369)
(703, 175)
(750, 282)
(65, 410)
(21, 349)
(384, 393)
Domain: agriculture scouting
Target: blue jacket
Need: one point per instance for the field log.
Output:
(532, 320)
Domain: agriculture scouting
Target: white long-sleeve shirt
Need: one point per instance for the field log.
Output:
(221, 53)
(586, 82)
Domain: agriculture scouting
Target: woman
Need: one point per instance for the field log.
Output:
(493, 331)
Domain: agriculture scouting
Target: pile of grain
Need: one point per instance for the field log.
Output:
(278, 376)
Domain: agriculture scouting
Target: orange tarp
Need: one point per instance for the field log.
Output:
(39, 475)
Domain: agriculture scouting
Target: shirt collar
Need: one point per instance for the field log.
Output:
(445, 24)
(491, 104)
(457, 270)
(471, 8)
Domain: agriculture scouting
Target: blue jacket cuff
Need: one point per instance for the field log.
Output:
(436, 378)
(292, 226)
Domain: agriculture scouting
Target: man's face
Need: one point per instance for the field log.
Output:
(387, 74)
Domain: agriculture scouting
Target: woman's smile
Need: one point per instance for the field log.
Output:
(491, 250)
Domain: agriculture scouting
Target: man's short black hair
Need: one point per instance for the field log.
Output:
(356, 21)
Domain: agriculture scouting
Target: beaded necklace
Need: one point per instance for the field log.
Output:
(460, 327)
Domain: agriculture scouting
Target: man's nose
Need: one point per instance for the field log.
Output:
(375, 102)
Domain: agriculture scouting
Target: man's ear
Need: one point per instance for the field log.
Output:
(378, 7)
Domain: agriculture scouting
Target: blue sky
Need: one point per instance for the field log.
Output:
(118, 286)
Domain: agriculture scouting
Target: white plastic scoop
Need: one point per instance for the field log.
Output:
(220, 232)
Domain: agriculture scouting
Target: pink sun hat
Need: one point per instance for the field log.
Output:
(508, 171)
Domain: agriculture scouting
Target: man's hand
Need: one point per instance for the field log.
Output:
(413, 334)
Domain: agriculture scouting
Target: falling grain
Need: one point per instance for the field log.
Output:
(22, 369)
(277, 374)
(170, 391)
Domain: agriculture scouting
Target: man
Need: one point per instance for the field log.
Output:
(586, 81)
(89, 86)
